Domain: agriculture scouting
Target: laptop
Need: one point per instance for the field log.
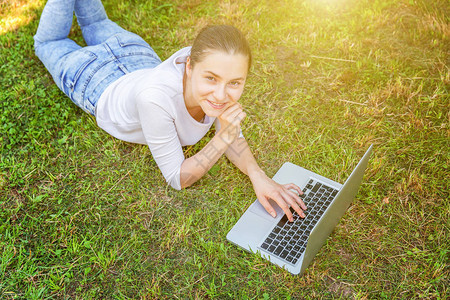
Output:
(293, 245)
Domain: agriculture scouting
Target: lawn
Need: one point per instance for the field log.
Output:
(87, 216)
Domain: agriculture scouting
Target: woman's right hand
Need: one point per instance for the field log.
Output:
(230, 122)
(194, 167)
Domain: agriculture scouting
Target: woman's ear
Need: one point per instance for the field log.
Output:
(188, 66)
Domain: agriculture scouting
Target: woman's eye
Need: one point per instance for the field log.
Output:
(235, 83)
(210, 78)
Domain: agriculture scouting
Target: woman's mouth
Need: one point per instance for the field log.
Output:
(216, 105)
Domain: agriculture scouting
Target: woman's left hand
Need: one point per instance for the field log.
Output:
(266, 189)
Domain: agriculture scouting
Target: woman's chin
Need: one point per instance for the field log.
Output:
(213, 112)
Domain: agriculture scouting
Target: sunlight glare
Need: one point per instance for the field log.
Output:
(15, 14)
(329, 3)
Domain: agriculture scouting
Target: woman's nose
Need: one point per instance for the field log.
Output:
(220, 93)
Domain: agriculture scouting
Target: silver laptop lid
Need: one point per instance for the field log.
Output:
(335, 211)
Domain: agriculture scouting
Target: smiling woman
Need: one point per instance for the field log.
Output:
(221, 57)
(215, 84)
(135, 97)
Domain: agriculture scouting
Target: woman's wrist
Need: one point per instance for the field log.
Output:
(228, 135)
(194, 167)
(254, 172)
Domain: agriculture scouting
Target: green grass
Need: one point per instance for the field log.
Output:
(83, 215)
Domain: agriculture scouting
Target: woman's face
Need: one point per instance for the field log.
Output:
(216, 82)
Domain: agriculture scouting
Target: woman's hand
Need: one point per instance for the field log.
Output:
(197, 165)
(230, 122)
(266, 188)
(239, 153)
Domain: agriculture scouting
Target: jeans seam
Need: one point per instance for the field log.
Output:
(91, 75)
(140, 43)
(73, 82)
(139, 53)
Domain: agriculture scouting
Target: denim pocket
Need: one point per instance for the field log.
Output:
(131, 44)
(131, 39)
(73, 67)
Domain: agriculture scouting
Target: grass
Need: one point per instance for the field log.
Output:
(83, 215)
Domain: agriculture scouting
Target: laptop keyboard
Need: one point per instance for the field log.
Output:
(288, 239)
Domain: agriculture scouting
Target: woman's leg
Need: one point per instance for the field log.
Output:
(84, 73)
(67, 62)
(94, 23)
(51, 42)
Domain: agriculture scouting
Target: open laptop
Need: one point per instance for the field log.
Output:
(293, 245)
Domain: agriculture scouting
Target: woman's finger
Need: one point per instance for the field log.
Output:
(284, 205)
(267, 206)
(288, 198)
(238, 119)
(292, 186)
(297, 199)
(232, 110)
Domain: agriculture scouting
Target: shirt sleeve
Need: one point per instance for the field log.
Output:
(160, 134)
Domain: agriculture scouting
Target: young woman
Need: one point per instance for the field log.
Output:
(135, 97)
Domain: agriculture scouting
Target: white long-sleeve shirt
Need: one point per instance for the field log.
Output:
(147, 107)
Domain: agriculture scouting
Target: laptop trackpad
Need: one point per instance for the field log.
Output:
(258, 209)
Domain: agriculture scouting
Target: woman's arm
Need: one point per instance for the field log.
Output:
(237, 150)
(239, 154)
(193, 168)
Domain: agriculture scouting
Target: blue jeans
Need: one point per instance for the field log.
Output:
(83, 73)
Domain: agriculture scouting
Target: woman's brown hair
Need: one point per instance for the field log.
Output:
(225, 38)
